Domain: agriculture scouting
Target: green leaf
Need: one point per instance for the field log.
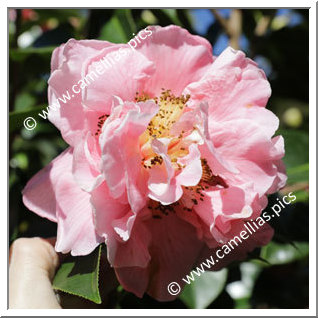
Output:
(24, 101)
(20, 55)
(204, 290)
(62, 15)
(79, 276)
(242, 303)
(120, 27)
(296, 160)
(172, 14)
(302, 196)
(296, 147)
(276, 253)
(166, 16)
(298, 173)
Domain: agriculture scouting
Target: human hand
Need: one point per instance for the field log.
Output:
(32, 265)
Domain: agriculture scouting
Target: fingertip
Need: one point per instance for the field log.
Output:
(35, 252)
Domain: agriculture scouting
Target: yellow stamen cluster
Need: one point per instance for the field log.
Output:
(170, 110)
(153, 161)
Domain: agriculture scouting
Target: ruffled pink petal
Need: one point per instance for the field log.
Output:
(266, 120)
(57, 58)
(174, 249)
(281, 177)
(86, 159)
(76, 231)
(106, 210)
(67, 63)
(189, 119)
(162, 184)
(134, 279)
(250, 150)
(39, 193)
(180, 58)
(218, 163)
(278, 148)
(114, 222)
(221, 207)
(231, 82)
(121, 157)
(133, 251)
(192, 173)
(129, 71)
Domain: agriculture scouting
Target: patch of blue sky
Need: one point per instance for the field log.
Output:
(220, 45)
(264, 64)
(244, 43)
(202, 20)
(225, 13)
(294, 17)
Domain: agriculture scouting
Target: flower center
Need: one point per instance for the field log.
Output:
(170, 110)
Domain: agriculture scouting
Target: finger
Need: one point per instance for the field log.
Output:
(32, 267)
(52, 241)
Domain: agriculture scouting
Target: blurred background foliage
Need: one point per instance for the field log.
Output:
(275, 276)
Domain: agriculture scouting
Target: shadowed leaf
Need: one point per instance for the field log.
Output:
(79, 276)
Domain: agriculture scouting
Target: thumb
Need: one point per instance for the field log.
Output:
(33, 262)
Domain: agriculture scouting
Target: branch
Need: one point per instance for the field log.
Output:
(232, 27)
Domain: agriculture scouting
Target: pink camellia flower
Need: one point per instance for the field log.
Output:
(170, 153)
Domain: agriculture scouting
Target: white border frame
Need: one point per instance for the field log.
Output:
(312, 159)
